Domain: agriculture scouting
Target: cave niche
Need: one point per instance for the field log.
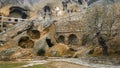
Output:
(18, 12)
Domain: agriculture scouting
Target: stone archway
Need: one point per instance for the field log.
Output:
(61, 39)
(18, 12)
(72, 39)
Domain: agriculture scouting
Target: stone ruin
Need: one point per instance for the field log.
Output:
(27, 31)
(32, 30)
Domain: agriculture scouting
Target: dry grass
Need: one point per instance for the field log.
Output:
(57, 50)
(5, 10)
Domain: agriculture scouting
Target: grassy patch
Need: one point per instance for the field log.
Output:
(36, 66)
(10, 64)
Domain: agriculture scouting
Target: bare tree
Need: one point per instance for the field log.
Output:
(103, 19)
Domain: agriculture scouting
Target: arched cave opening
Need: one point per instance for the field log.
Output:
(34, 34)
(47, 10)
(25, 42)
(18, 12)
(61, 39)
(41, 52)
(72, 39)
(80, 1)
(50, 44)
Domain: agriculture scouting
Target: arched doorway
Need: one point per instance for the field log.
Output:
(61, 39)
(18, 12)
(72, 39)
(47, 11)
(47, 8)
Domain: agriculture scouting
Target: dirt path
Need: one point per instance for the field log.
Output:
(61, 64)
(54, 63)
(67, 63)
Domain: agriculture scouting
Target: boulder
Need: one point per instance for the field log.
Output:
(40, 45)
(22, 53)
(84, 51)
(11, 51)
(7, 52)
(57, 50)
(97, 51)
(114, 45)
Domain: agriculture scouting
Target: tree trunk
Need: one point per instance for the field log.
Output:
(105, 50)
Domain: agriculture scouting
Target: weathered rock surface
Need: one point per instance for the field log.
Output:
(14, 52)
(57, 50)
(41, 44)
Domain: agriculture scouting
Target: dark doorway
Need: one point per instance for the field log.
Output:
(72, 39)
(80, 1)
(47, 11)
(41, 52)
(61, 39)
(50, 44)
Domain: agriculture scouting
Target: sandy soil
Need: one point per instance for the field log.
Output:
(61, 64)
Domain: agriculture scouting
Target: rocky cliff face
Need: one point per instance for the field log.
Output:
(35, 7)
(97, 14)
(32, 7)
(28, 4)
(90, 2)
(92, 13)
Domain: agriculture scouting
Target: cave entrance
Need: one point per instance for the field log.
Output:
(50, 44)
(41, 52)
(47, 11)
(72, 39)
(25, 42)
(80, 1)
(34, 34)
(18, 12)
(61, 39)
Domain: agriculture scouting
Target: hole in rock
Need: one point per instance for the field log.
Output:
(50, 44)
(34, 34)
(25, 42)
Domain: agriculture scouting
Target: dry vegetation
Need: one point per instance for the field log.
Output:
(105, 19)
(57, 50)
